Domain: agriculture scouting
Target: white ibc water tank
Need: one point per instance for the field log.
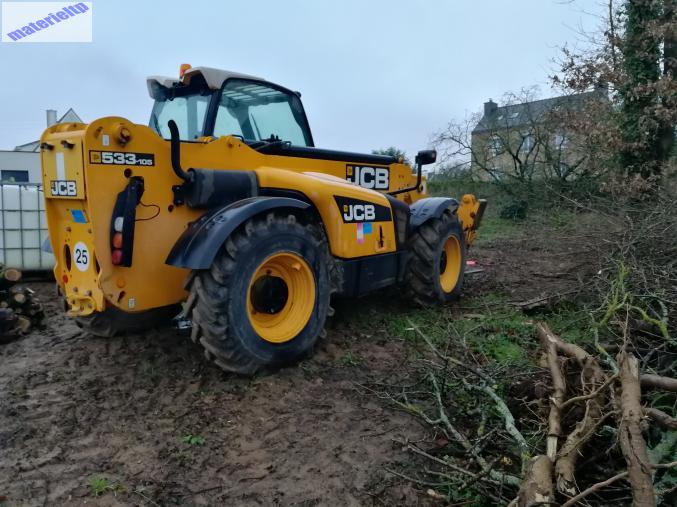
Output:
(23, 227)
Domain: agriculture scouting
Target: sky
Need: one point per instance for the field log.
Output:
(373, 73)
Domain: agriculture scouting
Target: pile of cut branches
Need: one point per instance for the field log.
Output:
(574, 432)
(608, 395)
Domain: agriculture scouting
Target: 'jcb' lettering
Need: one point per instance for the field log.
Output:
(377, 178)
(359, 213)
(64, 188)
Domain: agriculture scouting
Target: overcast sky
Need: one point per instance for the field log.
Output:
(372, 73)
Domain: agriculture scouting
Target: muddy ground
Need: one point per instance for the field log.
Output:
(73, 407)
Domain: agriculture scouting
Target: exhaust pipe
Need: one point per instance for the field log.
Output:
(175, 140)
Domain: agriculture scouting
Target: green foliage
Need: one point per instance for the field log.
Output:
(99, 485)
(665, 481)
(391, 151)
(517, 210)
(350, 359)
(193, 440)
(640, 123)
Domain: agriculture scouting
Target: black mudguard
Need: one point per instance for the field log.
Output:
(199, 243)
(430, 207)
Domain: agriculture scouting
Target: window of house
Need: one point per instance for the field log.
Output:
(514, 115)
(527, 142)
(561, 140)
(14, 176)
(496, 145)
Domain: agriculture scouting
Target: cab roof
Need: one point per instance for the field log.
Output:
(213, 77)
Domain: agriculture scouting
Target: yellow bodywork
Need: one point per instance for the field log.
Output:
(72, 153)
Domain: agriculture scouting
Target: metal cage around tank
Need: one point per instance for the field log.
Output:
(23, 227)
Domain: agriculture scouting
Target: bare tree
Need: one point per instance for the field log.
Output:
(526, 139)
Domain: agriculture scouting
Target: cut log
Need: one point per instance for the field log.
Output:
(11, 275)
(630, 433)
(19, 298)
(23, 324)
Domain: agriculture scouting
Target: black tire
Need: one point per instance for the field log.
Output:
(113, 321)
(428, 260)
(220, 300)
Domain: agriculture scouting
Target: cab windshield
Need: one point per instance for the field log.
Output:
(258, 112)
(253, 111)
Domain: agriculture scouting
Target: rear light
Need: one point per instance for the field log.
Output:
(123, 221)
(116, 257)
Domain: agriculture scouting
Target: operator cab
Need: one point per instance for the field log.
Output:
(212, 102)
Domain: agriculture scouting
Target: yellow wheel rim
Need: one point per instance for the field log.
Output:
(450, 264)
(281, 297)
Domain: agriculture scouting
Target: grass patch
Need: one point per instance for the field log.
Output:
(495, 330)
(193, 440)
(100, 485)
(493, 228)
(350, 359)
(572, 323)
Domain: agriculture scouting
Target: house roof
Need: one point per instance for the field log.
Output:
(69, 117)
(526, 113)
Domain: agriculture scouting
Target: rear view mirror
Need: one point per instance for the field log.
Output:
(426, 157)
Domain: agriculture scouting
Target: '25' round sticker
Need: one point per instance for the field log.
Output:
(81, 256)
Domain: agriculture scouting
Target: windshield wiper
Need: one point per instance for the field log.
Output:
(269, 145)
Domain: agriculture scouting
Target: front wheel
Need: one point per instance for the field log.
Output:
(437, 260)
(265, 299)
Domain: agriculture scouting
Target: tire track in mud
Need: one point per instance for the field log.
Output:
(72, 406)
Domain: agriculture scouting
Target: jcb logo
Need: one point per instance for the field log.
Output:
(377, 178)
(66, 188)
(359, 213)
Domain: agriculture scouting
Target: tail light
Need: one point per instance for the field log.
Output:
(122, 223)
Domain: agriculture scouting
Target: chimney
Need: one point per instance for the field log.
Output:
(490, 108)
(51, 117)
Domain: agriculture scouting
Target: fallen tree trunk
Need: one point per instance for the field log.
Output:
(630, 434)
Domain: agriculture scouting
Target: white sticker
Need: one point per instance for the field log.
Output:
(131, 303)
(81, 256)
(60, 166)
(105, 140)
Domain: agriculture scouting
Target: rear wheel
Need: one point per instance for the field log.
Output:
(265, 299)
(437, 262)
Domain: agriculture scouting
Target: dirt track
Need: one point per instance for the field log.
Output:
(73, 406)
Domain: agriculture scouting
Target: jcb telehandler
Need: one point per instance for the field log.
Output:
(223, 205)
